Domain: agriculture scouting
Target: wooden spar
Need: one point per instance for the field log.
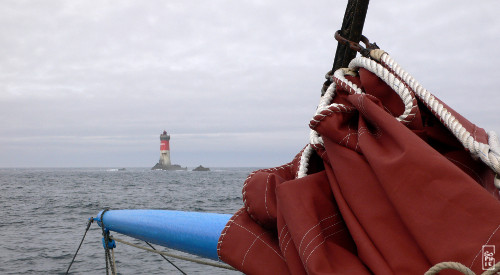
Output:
(352, 29)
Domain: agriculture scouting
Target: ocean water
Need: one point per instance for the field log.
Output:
(44, 213)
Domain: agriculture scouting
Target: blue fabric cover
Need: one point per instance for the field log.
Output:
(192, 232)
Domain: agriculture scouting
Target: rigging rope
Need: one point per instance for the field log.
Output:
(175, 256)
(81, 242)
(105, 235)
(180, 270)
(114, 263)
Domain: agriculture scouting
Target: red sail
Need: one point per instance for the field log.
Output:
(380, 196)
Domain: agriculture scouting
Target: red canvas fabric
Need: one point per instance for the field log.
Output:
(379, 197)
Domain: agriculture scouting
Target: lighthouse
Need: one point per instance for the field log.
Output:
(165, 163)
(165, 149)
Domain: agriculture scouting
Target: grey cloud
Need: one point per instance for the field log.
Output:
(235, 77)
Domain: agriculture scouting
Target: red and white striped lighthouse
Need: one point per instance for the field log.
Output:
(165, 149)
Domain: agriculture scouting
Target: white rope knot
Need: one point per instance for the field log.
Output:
(349, 71)
(376, 54)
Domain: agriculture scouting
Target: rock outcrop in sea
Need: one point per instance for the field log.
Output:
(201, 168)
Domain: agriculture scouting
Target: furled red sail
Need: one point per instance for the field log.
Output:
(393, 182)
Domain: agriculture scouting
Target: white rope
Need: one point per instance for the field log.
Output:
(339, 78)
(488, 153)
(406, 87)
(459, 267)
(314, 137)
(114, 270)
(304, 161)
(326, 99)
(393, 81)
(449, 265)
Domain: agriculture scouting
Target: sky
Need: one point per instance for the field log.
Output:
(87, 83)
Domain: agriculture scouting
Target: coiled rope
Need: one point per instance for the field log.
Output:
(461, 268)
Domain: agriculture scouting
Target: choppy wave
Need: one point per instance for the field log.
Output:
(48, 209)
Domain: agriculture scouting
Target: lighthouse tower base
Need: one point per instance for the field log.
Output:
(172, 167)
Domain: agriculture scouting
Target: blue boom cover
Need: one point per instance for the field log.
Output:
(192, 232)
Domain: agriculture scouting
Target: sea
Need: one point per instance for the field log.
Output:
(44, 214)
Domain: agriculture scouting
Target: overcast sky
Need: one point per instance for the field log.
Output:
(235, 83)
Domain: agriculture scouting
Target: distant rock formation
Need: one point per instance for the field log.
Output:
(201, 168)
(172, 167)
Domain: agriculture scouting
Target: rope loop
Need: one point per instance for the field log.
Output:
(459, 267)
(397, 84)
(449, 265)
